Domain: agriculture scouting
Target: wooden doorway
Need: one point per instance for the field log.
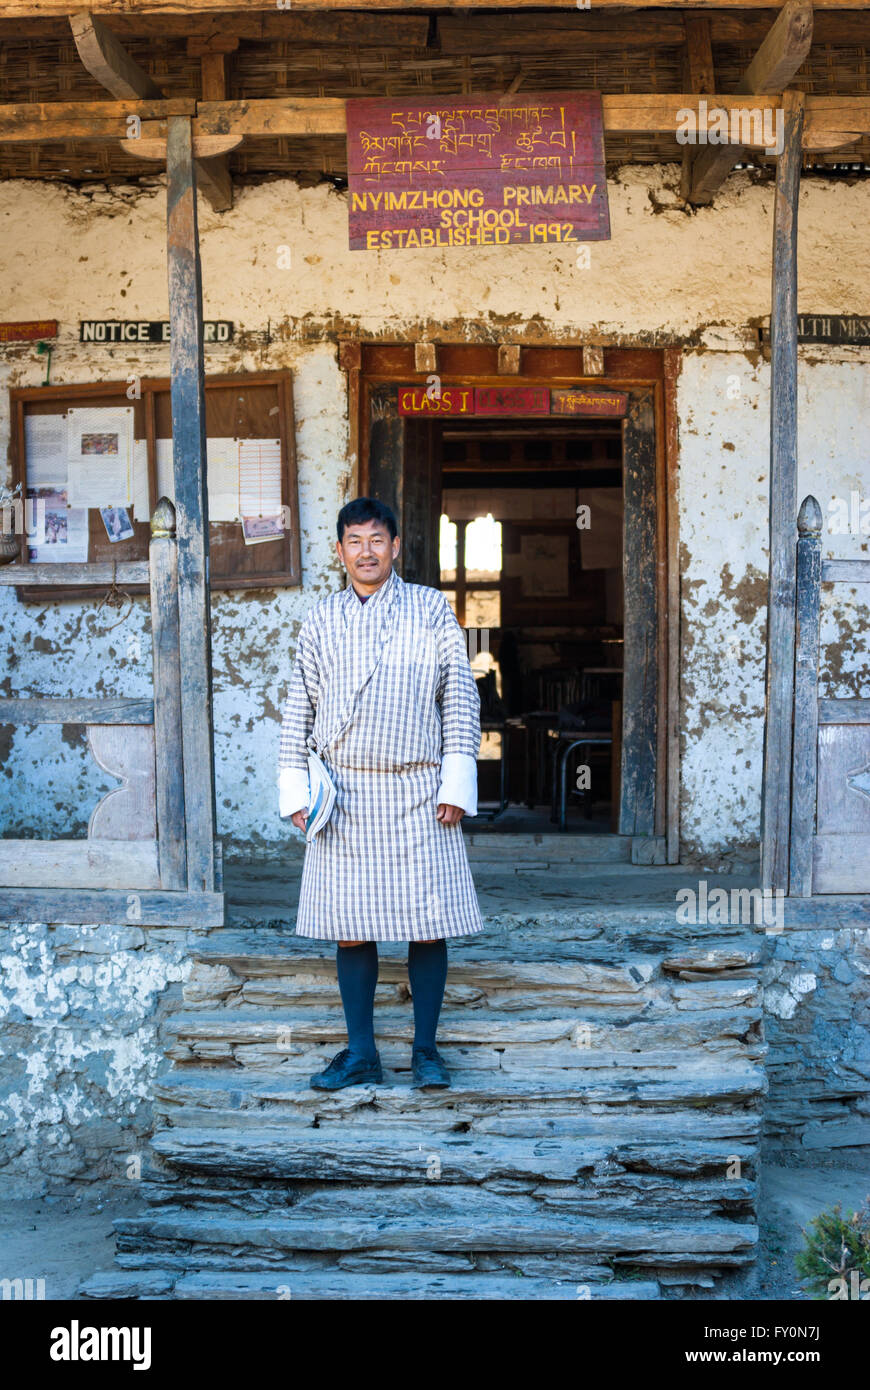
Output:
(402, 461)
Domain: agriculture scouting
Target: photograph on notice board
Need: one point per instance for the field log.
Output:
(117, 522)
(63, 529)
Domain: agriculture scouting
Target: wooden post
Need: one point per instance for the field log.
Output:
(166, 661)
(806, 698)
(779, 677)
(640, 630)
(191, 502)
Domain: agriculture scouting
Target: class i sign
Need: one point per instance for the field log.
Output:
(422, 400)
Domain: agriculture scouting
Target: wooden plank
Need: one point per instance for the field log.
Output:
(840, 571)
(640, 679)
(91, 863)
(843, 796)
(108, 61)
(166, 665)
(141, 908)
(110, 709)
(673, 361)
(125, 572)
(779, 674)
(127, 812)
(191, 501)
(337, 28)
(841, 863)
(773, 67)
(806, 702)
(850, 711)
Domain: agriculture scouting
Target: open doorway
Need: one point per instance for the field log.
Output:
(530, 558)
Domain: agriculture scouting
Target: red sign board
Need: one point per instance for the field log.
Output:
(511, 400)
(29, 332)
(451, 400)
(483, 170)
(577, 400)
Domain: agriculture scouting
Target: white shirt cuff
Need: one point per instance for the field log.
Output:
(459, 782)
(292, 790)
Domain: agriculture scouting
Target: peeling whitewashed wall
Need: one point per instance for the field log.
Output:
(699, 279)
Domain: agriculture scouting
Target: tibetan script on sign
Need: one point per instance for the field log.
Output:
(28, 332)
(476, 171)
(576, 400)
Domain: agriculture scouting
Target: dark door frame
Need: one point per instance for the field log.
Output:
(379, 438)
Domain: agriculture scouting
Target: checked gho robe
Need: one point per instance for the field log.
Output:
(384, 691)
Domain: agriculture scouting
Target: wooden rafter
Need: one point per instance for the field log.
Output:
(829, 119)
(108, 61)
(771, 70)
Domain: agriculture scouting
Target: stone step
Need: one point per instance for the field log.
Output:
(307, 1286)
(455, 1219)
(188, 1091)
(481, 1038)
(380, 1153)
(603, 938)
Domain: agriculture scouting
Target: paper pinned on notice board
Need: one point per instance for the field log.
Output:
(100, 456)
(45, 449)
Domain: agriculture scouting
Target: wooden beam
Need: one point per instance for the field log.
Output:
(779, 674)
(35, 9)
(39, 709)
(34, 122)
(213, 175)
(100, 573)
(771, 70)
(108, 61)
(698, 76)
(472, 34)
(626, 114)
(146, 908)
(191, 502)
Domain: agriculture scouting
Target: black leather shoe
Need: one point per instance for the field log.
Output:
(346, 1069)
(428, 1067)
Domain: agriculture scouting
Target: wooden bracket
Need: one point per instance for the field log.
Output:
(508, 359)
(593, 361)
(425, 357)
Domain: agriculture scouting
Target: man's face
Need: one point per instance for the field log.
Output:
(367, 551)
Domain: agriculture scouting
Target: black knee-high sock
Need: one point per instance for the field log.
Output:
(357, 977)
(427, 974)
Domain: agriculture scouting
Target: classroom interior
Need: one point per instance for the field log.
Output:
(530, 559)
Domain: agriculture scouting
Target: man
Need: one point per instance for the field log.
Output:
(383, 690)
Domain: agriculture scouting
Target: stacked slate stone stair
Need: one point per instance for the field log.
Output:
(600, 1139)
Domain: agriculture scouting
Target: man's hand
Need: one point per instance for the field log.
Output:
(450, 815)
(299, 818)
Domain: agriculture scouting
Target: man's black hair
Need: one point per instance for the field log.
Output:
(366, 509)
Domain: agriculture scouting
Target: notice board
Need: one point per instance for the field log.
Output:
(251, 465)
(521, 169)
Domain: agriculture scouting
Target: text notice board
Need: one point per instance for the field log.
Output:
(476, 171)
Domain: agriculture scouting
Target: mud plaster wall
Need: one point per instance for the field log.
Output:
(666, 276)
